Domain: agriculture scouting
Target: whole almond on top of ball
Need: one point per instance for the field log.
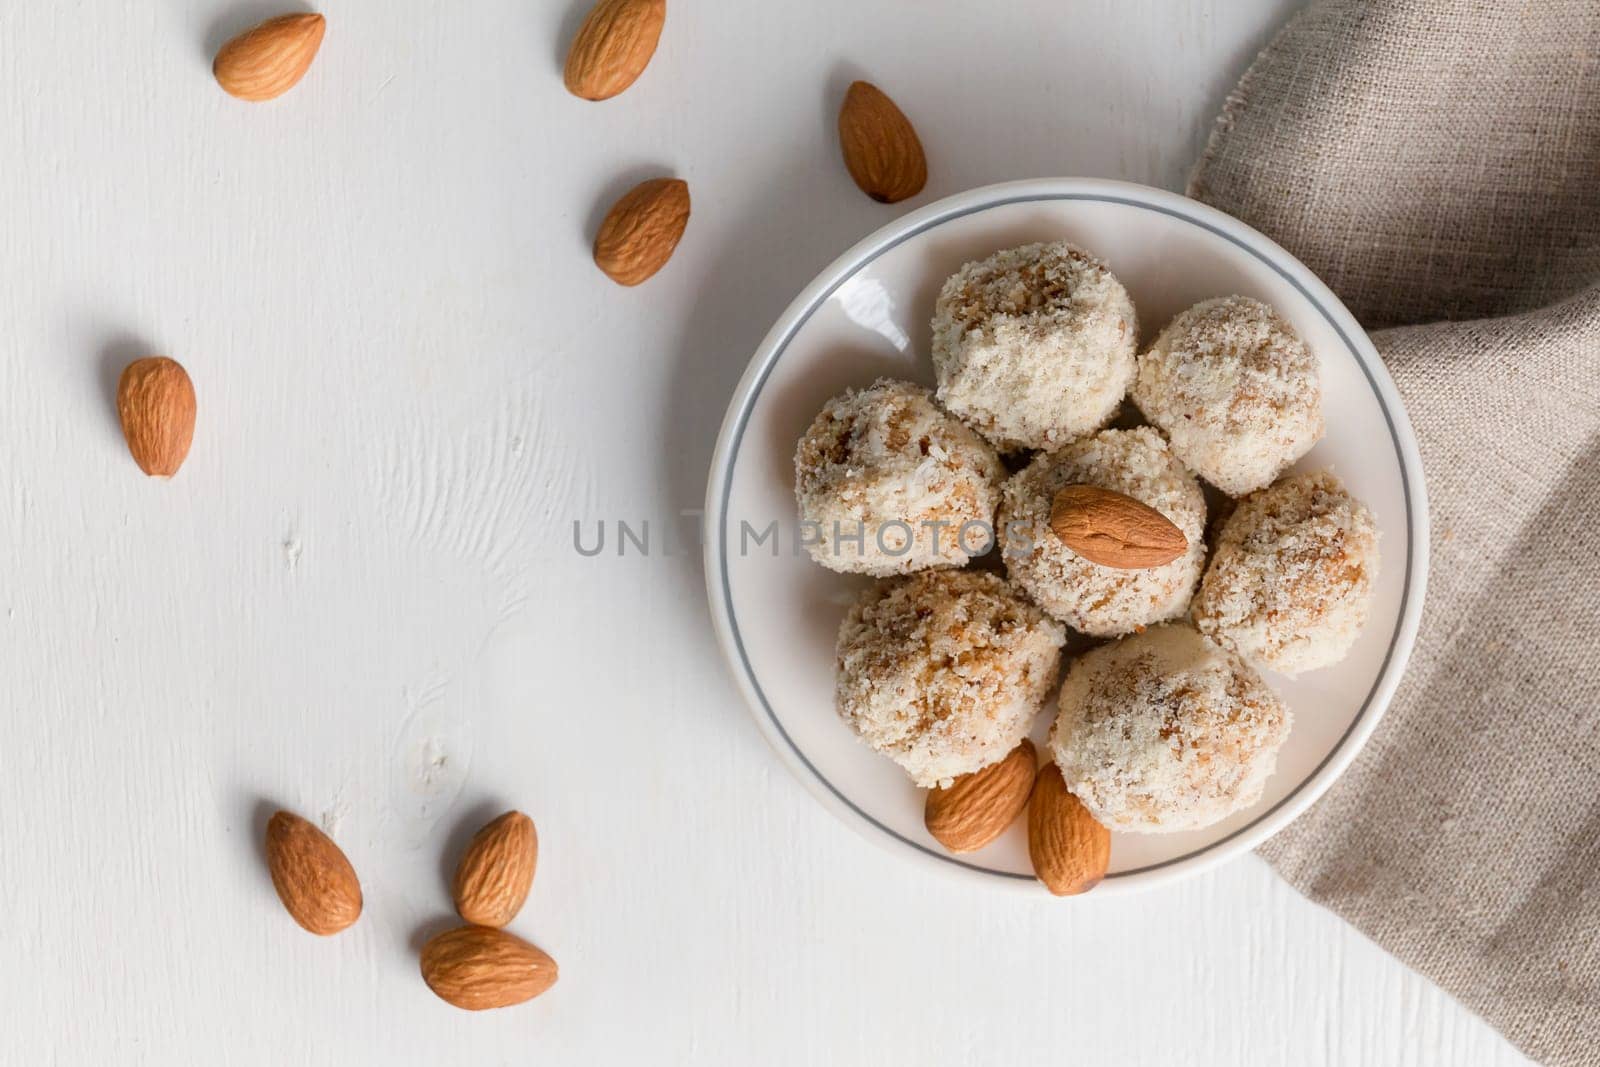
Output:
(1114, 530)
(1070, 849)
(976, 808)
(881, 149)
(496, 871)
(155, 402)
(479, 967)
(642, 229)
(613, 46)
(313, 878)
(270, 59)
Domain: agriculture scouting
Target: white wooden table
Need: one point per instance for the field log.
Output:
(360, 600)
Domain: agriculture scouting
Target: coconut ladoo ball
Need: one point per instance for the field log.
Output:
(1290, 583)
(893, 484)
(1235, 390)
(1166, 731)
(1091, 598)
(945, 671)
(1035, 345)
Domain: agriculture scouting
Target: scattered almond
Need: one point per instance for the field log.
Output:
(977, 807)
(642, 229)
(881, 149)
(268, 61)
(313, 878)
(613, 46)
(155, 401)
(494, 875)
(478, 967)
(1070, 850)
(1114, 530)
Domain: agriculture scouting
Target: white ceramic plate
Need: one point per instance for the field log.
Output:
(776, 612)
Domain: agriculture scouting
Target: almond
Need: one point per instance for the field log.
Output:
(313, 879)
(1114, 530)
(613, 46)
(478, 967)
(494, 875)
(155, 401)
(977, 807)
(642, 229)
(1069, 848)
(881, 150)
(268, 61)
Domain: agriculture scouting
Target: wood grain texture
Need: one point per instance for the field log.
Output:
(360, 600)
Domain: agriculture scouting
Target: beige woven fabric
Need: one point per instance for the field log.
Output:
(1440, 160)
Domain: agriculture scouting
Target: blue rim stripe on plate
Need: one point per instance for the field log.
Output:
(822, 298)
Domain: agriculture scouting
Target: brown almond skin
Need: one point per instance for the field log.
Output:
(496, 871)
(479, 967)
(313, 878)
(155, 401)
(1071, 851)
(267, 61)
(1115, 530)
(613, 46)
(978, 807)
(881, 148)
(642, 230)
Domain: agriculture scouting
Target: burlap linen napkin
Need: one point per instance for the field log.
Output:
(1437, 162)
